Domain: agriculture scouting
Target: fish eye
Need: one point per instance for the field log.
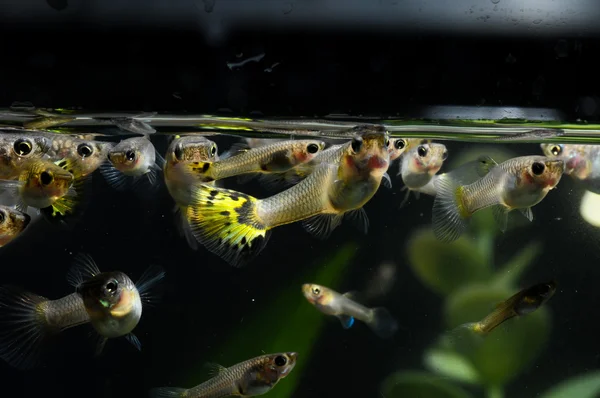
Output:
(84, 150)
(312, 148)
(445, 155)
(316, 291)
(556, 150)
(2, 216)
(130, 155)
(46, 177)
(280, 360)
(112, 286)
(538, 168)
(357, 144)
(422, 151)
(213, 150)
(179, 152)
(22, 147)
(400, 144)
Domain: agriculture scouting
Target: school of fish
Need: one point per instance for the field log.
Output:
(318, 184)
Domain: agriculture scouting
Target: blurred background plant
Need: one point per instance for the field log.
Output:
(459, 363)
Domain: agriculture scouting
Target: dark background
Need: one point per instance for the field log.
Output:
(382, 59)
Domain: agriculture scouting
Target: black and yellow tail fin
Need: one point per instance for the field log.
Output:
(226, 223)
(67, 209)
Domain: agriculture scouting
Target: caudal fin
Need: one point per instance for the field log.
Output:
(167, 392)
(227, 224)
(383, 323)
(183, 227)
(23, 327)
(449, 215)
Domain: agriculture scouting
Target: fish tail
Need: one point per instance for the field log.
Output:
(449, 213)
(23, 327)
(167, 392)
(383, 323)
(183, 227)
(227, 224)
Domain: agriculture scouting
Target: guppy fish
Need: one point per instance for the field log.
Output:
(17, 146)
(130, 160)
(88, 154)
(418, 166)
(517, 183)
(250, 378)
(524, 302)
(236, 226)
(57, 188)
(333, 154)
(181, 152)
(110, 301)
(12, 223)
(582, 162)
(397, 147)
(347, 310)
(274, 158)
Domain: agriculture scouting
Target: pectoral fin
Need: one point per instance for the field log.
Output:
(527, 213)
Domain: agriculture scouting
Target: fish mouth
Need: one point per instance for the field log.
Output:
(306, 289)
(377, 162)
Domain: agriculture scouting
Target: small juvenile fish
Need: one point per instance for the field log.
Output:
(274, 158)
(517, 183)
(129, 161)
(419, 164)
(582, 162)
(43, 122)
(347, 310)
(88, 154)
(524, 302)
(397, 147)
(12, 223)
(237, 226)
(18, 146)
(41, 184)
(110, 301)
(250, 378)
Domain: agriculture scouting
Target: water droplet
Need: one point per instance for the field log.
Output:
(209, 5)
(495, 1)
(537, 21)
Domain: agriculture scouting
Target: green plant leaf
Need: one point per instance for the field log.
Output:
(444, 267)
(293, 324)
(586, 385)
(420, 384)
(451, 364)
(507, 350)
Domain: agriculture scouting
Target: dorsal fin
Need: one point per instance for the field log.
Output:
(214, 369)
(84, 268)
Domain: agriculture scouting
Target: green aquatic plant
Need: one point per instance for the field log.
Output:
(302, 322)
